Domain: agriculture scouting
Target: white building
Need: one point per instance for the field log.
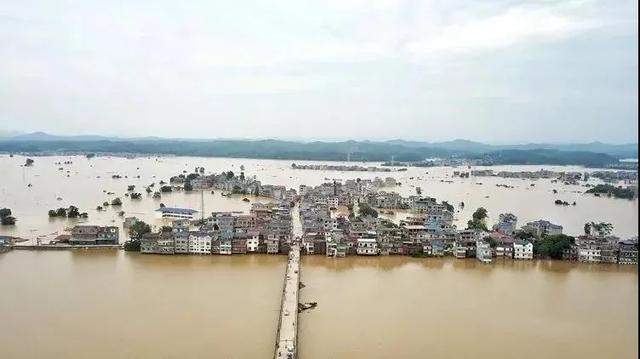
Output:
(367, 247)
(522, 249)
(253, 241)
(182, 245)
(483, 251)
(199, 243)
(176, 213)
(542, 228)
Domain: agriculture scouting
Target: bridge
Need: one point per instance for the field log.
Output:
(287, 335)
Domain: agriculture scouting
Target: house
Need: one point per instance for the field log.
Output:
(522, 249)
(273, 244)
(199, 242)
(628, 251)
(507, 223)
(460, 249)
(253, 241)
(94, 235)
(239, 245)
(225, 246)
(483, 251)
(542, 228)
(176, 213)
(367, 247)
(157, 243)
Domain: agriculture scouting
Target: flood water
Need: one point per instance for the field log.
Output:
(398, 307)
(89, 179)
(115, 304)
(111, 304)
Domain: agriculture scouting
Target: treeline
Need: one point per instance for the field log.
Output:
(329, 151)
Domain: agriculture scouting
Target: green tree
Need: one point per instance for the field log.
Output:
(73, 212)
(448, 206)
(187, 186)
(229, 175)
(552, 246)
(116, 202)
(601, 229)
(4, 212)
(8, 221)
(480, 214)
(365, 210)
(138, 229)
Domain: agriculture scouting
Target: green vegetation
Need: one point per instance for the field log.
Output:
(116, 202)
(479, 220)
(71, 212)
(609, 190)
(136, 231)
(166, 189)
(5, 217)
(492, 241)
(135, 195)
(131, 187)
(552, 246)
(448, 206)
(366, 210)
(601, 229)
(28, 162)
(329, 151)
(187, 186)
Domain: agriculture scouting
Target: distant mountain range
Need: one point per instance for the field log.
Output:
(588, 154)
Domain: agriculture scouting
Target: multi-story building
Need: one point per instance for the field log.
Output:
(157, 243)
(367, 247)
(507, 223)
(628, 252)
(522, 249)
(542, 228)
(94, 235)
(199, 242)
(483, 251)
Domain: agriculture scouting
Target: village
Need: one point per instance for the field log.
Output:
(339, 219)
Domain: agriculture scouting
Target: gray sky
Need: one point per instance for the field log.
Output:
(494, 71)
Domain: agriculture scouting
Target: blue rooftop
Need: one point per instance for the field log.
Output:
(176, 210)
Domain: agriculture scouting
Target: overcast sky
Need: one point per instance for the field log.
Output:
(495, 71)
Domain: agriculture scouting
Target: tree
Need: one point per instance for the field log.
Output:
(136, 195)
(188, 186)
(116, 202)
(131, 187)
(480, 214)
(448, 206)
(5, 212)
(478, 221)
(28, 162)
(53, 213)
(149, 190)
(229, 175)
(365, 210)
(602, 229)
(241, 176)
(165, 189)
(492, 241)
(61, 212)
(138, 229)
(73, 212)
(132, 245)
(553, 246)
(8, 221)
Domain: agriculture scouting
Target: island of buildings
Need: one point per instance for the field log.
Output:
(339, 219)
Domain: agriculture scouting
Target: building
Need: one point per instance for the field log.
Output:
(507, 223)
(157, 243)
(273, 244)
(94, 235)
(225, 246)
(483, 251)
(628, 252)
(253, 241)
(199, 242)
(542, 228)
(367, 247)
(176, 213)
(522, 249)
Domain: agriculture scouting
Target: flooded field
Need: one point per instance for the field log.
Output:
(86, 182)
